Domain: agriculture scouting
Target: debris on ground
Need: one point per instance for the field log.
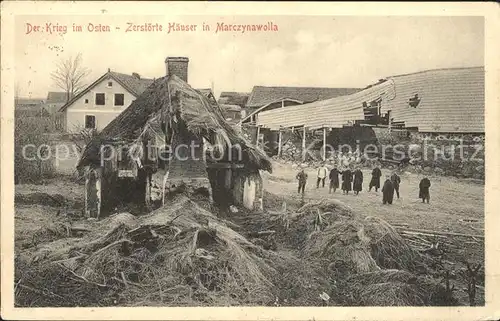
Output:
(187, 254)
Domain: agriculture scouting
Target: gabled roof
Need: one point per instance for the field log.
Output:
(55, 97)
(262, 95)
(233, 98)
(132, 84)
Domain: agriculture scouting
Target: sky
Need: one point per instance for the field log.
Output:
(315, 51)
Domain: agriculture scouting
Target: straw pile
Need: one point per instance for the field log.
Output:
(344, 246)
(185, 255)
(315, 217)
(180, 254)
(394, 288)
(389, 249)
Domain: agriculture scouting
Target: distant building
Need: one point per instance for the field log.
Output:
(55, 100)
(264, 98)
(30, 107)
(232, 102)
(100, 103)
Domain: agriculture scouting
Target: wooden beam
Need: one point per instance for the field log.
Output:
(390, 121)
(279, 143)
(258, 135)
(324, 143)
(304, 143)
(148, 190)
(227, 178)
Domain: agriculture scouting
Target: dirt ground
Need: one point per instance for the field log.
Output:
(452, 200)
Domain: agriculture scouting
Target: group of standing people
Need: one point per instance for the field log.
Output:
(353, 180)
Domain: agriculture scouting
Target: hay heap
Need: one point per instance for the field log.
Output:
(356, 252)
(389, 249)
(183, 254)
(180, 254)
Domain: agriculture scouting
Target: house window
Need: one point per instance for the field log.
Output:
(100, 99)
(86, 101)
(110, 84)
(89, 122)
(119, 99)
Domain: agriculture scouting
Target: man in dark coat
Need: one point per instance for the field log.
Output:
(387, 191)
(346, 181)
(375, 181)
(302, 178)
(424, 193)
(357, 184)
(334, 179)
(395, 182)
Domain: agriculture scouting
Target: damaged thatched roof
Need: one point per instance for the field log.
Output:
(201, 116)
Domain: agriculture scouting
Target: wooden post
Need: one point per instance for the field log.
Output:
(324, 143)
(304, 144)
(98, 187)
(148, 190)
(228, 178)
(279, 143)
(258, 135)
(87, 187)
(283, 103)
(390, 121)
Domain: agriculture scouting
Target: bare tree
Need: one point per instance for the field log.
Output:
(70, 75)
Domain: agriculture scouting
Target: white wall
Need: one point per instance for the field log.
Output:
(104, 114)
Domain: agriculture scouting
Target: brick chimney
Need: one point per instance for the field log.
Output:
(177, 66)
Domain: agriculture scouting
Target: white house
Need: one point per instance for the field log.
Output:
(98, 104)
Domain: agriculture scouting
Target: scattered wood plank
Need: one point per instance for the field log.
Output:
(437, 233)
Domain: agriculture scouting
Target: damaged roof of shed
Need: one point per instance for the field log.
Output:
(332, 113)
(262, 95)
(450, 100)
(201, 116)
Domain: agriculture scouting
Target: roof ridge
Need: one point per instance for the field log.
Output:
(129, 75)
(434, 70)
(307, 87)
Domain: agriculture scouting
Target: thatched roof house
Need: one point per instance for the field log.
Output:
(202, 118)
(185, 115)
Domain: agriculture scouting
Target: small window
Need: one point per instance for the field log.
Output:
(86, 101)
(100, 99)
(119, 99)
(110, 84)
(89, 122)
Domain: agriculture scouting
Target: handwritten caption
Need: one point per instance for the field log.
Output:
(171, 27)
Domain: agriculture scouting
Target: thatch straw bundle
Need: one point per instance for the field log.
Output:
(50, 232)
(391, 294)
(314, 217)
(344, 246)
(388, 248)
